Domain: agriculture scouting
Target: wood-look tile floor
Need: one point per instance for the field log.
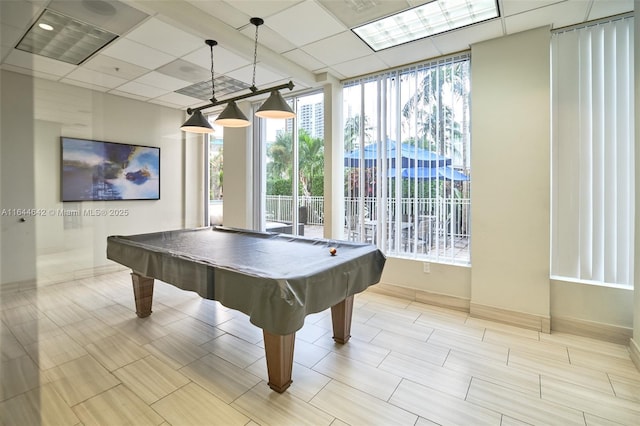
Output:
(75, 353)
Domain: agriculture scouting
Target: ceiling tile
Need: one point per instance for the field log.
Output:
(513, 7)
(224, 60)
(112, 15)
(223, 11)
(94, 78)
(115, 67)
(128, 95)
(338, 48)
(260, 8)
(602, 9)
(457, 40)
(557, 15)
(180, 100)
(139, 89)
(411, 52)
(160, 102)
(302, 58)
(10, 35)
(18, 13)
(355, 12)
(264, 76)
(162, 81)
(38, 63)
(293, 23)
(184, 70)
(137, 54)
(86, 85)
(267, 38)
(360, 66)
(165, 38)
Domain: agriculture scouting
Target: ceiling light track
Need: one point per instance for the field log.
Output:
(274, 107)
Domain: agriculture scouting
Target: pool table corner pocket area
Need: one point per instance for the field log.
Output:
(230, 277)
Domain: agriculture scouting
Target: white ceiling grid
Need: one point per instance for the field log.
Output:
(160, 45)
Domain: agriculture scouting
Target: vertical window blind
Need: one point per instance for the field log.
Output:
(593, 153)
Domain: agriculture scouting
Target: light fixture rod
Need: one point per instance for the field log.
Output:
(288, 85)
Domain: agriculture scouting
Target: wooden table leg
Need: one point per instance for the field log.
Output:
(279, 352)
(143, 293)
(341, 318)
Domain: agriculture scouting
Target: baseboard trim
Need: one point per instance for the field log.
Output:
(414, 295)
(635, 353)
(518, 319)
(18, 285)
(60, 278)
(595, 330)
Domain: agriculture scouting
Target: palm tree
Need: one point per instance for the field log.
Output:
(216, 175)
(435, 118)
(352, 132)
(280, 152)
(311, 160)
(310, 157)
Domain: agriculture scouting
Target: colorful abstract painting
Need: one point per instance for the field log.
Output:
(96, 170)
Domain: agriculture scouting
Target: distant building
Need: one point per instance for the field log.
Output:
(311, 119)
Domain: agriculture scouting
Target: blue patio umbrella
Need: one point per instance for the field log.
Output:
(443, 172)
(409, 156)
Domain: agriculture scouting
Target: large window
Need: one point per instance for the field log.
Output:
(407, 166)
(215, 173)
(293, 152)
(593, 153)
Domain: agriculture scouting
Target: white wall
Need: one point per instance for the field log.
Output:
(510, 154)
(238, 175)
(42, 248)
(635, 343)
(17, 239)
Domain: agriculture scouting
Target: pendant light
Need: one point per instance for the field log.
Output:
(275, 106)
(197, 123)
(231, 116)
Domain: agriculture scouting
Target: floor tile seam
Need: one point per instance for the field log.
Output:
(525, 395)
(365, 393)
(612, 396)
(234, 403)
(595, 413)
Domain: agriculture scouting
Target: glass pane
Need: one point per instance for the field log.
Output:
(278, 140)
(407, 161)
(310, 112)
(216, 178)
(299, 190)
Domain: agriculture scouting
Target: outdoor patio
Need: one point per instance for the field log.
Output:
(457, 253)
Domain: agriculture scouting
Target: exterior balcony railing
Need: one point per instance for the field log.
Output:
(433, 229)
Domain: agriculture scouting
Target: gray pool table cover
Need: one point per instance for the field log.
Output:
(276, 279)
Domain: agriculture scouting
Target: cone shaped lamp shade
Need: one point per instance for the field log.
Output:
(231, 116)
(275, 107)
(197, 124)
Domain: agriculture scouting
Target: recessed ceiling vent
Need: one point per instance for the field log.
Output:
(64, 38)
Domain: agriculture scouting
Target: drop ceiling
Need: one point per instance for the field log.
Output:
(159, 50)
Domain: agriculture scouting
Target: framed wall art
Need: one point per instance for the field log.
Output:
(103, 171)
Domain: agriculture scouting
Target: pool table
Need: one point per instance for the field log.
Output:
(275, 279)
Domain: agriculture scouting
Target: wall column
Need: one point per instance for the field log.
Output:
(511, 179)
